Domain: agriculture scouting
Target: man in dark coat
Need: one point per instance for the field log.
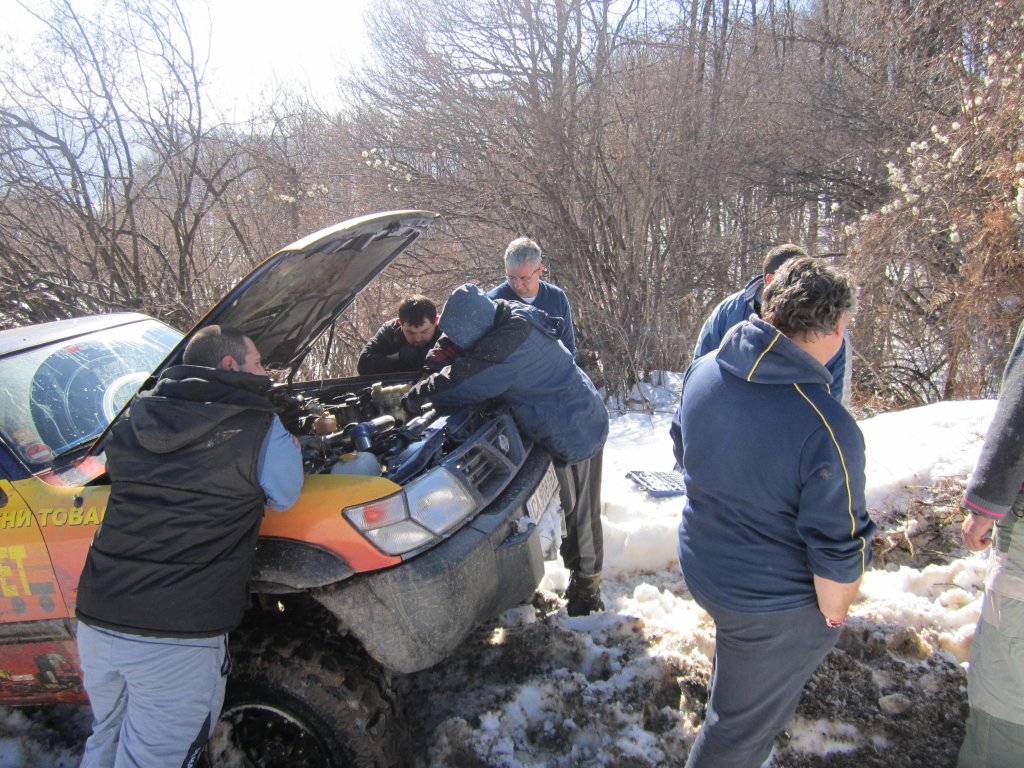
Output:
(744, 303)
(511, 352)
(192, 468)
(401, 344)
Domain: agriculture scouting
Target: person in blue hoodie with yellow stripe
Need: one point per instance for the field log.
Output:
(775, 534)
(746, 302)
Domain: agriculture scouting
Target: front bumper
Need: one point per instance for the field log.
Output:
(413, 615)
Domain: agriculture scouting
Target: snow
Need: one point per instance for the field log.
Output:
(626, 686)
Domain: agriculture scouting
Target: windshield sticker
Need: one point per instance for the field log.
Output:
(37, 453)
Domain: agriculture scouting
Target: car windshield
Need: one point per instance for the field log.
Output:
(59, 397)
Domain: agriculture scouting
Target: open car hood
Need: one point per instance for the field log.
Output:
(292, 298)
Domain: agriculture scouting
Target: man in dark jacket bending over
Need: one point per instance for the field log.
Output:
(192, 468)
(510, 351)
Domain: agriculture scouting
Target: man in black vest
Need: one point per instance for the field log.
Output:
(192, 468)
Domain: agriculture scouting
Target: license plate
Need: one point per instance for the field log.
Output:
(541, 497)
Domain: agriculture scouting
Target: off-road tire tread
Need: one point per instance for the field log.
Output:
(334, 678)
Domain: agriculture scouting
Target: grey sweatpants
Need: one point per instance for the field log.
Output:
(762, 661)
(155, 701)
(579, 489)
(995, 675)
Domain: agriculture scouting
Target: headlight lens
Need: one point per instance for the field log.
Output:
(378, 514)
(439, 501)
(425, 510)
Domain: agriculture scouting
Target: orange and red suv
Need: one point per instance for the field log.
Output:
(409, 532)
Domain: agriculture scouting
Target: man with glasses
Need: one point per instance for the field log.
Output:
(523, 269)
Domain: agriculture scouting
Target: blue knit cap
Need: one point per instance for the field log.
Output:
(467, 315)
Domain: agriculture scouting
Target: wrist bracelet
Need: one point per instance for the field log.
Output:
(833, 623)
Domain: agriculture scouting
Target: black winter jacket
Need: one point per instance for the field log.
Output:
(174, 553)
(389, 340)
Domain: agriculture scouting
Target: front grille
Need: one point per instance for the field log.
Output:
(479, 468)
(491, 457)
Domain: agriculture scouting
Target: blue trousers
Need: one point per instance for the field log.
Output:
(762, 661)
(155, 701)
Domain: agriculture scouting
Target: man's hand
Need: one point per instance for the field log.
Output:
(975, 532)
(412, 357)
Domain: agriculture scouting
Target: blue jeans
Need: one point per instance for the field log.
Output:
(762, 661)
(155, 701)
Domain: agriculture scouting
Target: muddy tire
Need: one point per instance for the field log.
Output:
(303, 699)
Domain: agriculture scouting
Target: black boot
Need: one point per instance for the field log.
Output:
(583, 594)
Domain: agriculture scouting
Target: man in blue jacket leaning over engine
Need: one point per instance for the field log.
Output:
(508, 351)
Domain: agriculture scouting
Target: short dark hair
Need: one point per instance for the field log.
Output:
(807, 296)
(209, 345)
(522, 251)
(779, 255)
(416, 310)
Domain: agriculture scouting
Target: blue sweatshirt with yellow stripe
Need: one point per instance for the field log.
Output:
(774, 471)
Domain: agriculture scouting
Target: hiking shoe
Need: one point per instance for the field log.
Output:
(583, 595)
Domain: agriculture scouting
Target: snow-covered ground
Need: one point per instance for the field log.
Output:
(626, 687)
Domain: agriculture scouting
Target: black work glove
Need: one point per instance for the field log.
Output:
(442, 354)
(411, 406)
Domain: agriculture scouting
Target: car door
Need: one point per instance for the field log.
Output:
(38, 655)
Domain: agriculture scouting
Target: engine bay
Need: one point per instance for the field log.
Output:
(355, 428)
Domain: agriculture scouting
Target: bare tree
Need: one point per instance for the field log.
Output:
(105, 167)
(638, 142)
(941, 261)
(655, 148)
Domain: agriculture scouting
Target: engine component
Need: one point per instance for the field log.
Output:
(389, 399)
(325, 424)
(357, 463)
(363, 434)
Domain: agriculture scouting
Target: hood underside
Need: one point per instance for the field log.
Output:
(291, 299)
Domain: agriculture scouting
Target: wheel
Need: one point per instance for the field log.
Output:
(303, 699)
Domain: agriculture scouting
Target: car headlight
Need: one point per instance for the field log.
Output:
(425, 510)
